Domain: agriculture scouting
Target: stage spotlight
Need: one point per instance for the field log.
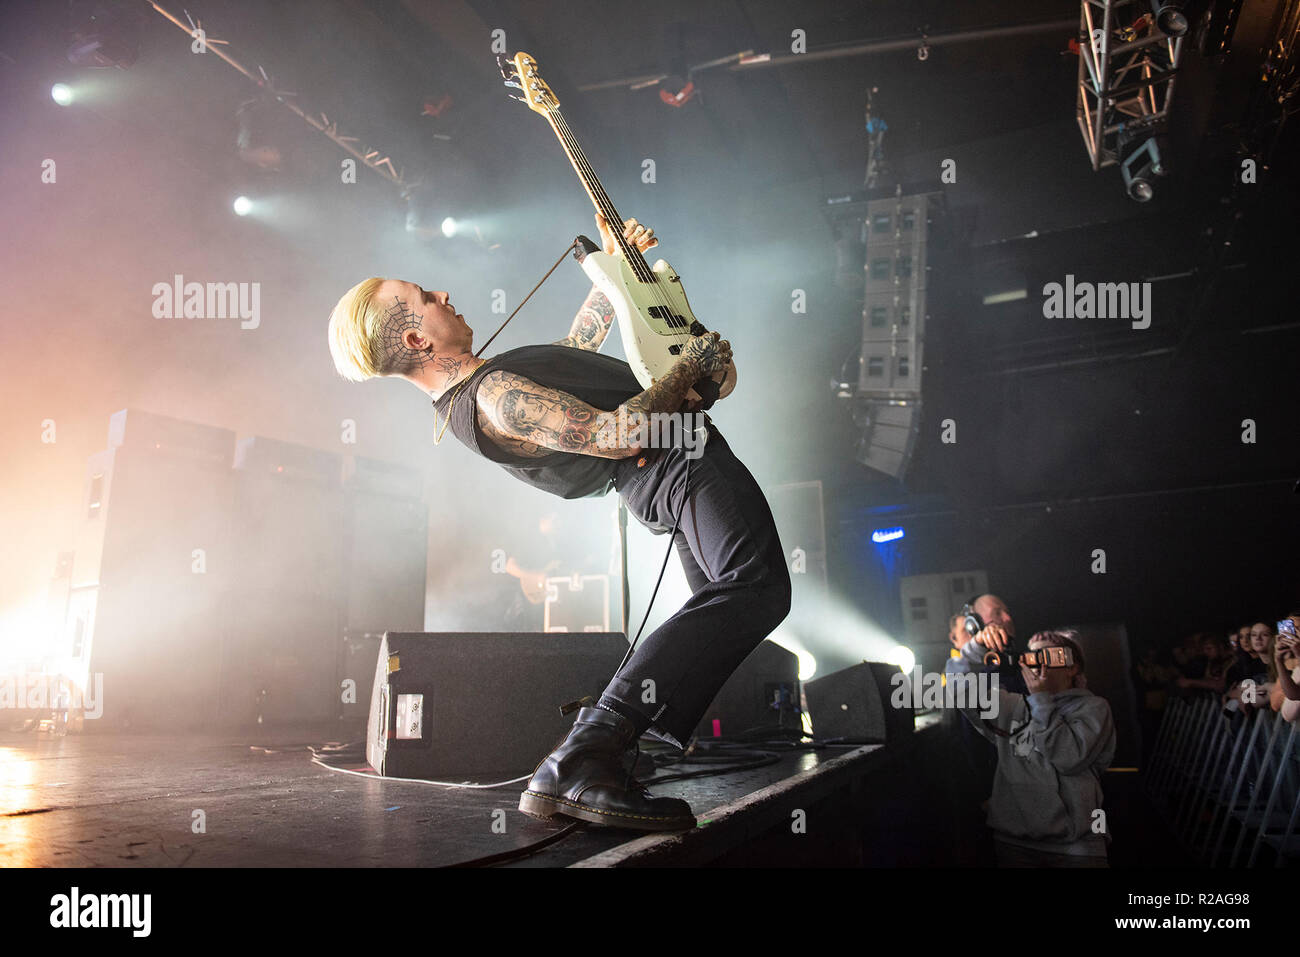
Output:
(1140, 160)
(1170, 17)
(449, 227)
(243, 206)
(62, 94)
(807, 665)
(903, 657)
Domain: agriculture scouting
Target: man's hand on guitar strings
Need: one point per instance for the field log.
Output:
(642, 237)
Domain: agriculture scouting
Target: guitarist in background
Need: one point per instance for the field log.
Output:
(533, 411)
(535, 560)
(532, 585)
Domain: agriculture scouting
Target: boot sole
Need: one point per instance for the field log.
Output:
(546, 806)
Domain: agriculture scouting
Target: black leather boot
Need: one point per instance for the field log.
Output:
(587, 778)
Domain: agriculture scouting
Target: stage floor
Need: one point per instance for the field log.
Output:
(124, 800)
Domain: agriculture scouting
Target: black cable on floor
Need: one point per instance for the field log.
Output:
(519, 853)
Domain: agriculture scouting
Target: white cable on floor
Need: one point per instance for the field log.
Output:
(441, 784)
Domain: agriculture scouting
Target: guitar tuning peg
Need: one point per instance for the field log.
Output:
(518, 96)
(514, 84)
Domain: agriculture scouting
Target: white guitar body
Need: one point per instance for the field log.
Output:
(654, 320)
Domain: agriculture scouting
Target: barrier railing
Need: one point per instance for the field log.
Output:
(1229, 784)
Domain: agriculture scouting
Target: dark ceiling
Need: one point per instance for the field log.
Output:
(371, 66)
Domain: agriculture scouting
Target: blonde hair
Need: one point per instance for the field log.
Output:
(356, 333)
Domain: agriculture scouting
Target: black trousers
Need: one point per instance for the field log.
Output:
(729, 548)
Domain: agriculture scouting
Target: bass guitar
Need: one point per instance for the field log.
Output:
(654, 319)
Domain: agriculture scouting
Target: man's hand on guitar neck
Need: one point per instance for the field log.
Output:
(642, 237)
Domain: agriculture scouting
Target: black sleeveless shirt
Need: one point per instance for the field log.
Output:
(600, 381)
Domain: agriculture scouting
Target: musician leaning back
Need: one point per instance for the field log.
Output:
(534, 411)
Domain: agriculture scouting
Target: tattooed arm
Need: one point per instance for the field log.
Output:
(530, 419)
(702, 355)
(591, 324)
(533, 420)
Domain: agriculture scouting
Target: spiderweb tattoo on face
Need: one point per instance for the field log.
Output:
(397, 355)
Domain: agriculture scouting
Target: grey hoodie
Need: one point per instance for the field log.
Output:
(1048, 779)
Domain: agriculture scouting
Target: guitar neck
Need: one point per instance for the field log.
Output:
(599, 198)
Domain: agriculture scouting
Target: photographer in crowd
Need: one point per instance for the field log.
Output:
(1052, 745)
(978, 758)
(989, 610)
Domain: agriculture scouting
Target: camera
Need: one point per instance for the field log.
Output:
(1049, 657)
(1009, 659)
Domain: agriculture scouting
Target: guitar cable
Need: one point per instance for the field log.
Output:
(686, 484)
(672, 539)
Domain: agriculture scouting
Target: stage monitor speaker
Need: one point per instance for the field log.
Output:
(853, 705)
(763, 693)
(482, 704)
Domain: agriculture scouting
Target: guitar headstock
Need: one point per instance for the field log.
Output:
(520, 73)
